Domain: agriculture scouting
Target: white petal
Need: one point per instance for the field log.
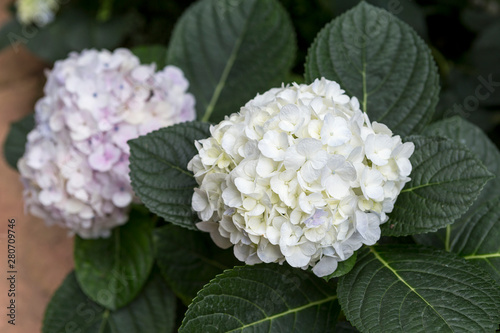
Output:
(267, 252)
(326, 266)
(297, 258)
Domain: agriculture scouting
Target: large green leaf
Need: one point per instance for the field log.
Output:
(478, 239)
(263, 298)
(406, 10)
(113, 270)
(15, 143)
(460, 130)
(70, 310)
(413, 289)
(158, 170)
(485, 56)
(445, 181)
(230, 50)
(382, 61)
(188, 260)
(480, 145)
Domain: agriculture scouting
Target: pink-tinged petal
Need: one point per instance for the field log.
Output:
(104, 157)
(149, 126)
(142, 73)
(122, 198)
(123, 133)
(188, 112)
(176, 76)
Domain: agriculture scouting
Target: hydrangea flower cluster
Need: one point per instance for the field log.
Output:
(40, 12)
(76, 164)
(299, 174)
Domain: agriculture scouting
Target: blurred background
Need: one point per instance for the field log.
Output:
(464, 36)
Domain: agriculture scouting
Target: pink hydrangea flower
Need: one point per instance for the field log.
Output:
(76, 164)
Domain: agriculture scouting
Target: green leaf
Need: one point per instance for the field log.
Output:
(113, 270)
(343, 267)
(460, 130)
(70, 310)
(263, 298)
(406, 10)
(413, 289)
(158, 170)
(72, 30)
(188, 260)
(485, 56)
(230, 50)
(345, 327)
(152, 54)
(478, 238)
(445, 181)
(15, 143)
(382, 61)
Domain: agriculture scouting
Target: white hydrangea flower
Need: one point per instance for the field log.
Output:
(76, 164)
(301, 175)
(40, 12)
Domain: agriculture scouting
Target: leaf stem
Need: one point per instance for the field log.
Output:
(105, 317)
(482, 256)
(365, 93)
(104, 12)
(447, 239)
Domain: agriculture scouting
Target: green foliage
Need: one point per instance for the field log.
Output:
(112, 271)
(460, 130)
(413, 289)
(474, 236)
(406, 10)
(477, 240)
(394, 78)
(149, 54)
(343, 267)
(158, 170)
(15, 143)
(485, 55)
(231, 49)
(73, 30)
(188, 260)
(263, 298)
(70, 310)
(445, 181)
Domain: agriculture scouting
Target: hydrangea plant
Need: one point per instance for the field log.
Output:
(75, 168)
(348, 207)
(300, 175)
